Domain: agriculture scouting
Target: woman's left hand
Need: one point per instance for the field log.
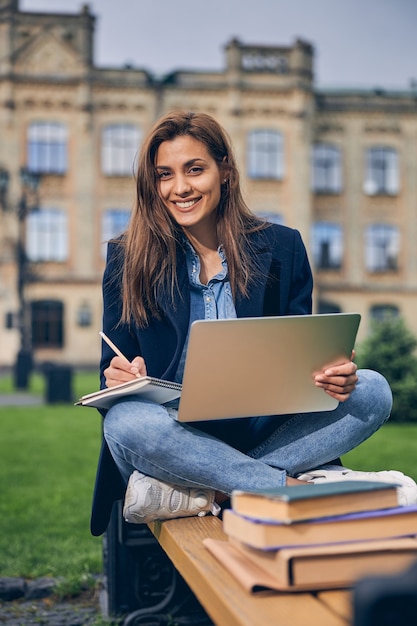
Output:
(338, 380)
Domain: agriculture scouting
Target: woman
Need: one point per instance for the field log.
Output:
(194, 250)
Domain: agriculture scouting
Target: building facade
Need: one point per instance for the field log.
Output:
(339, 166)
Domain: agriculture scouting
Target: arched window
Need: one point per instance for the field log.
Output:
(382, 247)
(120, 143)
(47, 324)
(324, 306)
(265, 154)
(326, 169)
(47, 235)
(114, 222)
(384, 312)
(269, 216)
(327, 246)
(381, 171)
(47, 148)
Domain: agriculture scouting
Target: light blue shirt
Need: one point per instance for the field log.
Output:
(210, 302)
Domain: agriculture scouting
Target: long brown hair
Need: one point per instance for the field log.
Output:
(150, 244)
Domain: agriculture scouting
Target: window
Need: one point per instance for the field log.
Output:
(326, 307)
(120, 144)
(384, 312)
(381, 171)
(114, 222)
(265, 154)
(47, 324)
(47, 148)
(326, 171)
(275, 218)
(47, 236)
(382, 248)
(327, 246)
(260, 61)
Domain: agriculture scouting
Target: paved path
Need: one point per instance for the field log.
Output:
(33, 603)
(48, 613)
(20, 399)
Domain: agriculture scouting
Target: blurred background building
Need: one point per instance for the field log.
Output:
(340, 166)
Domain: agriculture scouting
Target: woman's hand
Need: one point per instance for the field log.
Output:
(338, 380)
(120, 370)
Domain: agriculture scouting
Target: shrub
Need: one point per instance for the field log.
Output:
(390, 350)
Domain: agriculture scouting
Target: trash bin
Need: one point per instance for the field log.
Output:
(23, 369)
(58, 383)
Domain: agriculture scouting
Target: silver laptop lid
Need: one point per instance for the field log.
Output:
(262, 366)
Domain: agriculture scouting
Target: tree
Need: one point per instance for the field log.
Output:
(390, 350)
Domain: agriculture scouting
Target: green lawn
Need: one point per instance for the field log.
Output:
(394, 446)
(48, 461)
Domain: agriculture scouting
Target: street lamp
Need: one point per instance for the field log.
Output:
(24, 361)
(29, 185)
(4, 184)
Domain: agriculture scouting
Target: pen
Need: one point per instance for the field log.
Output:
(115, 349)
(112, 346)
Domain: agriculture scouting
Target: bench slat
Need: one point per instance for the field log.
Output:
(221, 595)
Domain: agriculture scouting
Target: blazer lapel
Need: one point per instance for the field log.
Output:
(253, 305)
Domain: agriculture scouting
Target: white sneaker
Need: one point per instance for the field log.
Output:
(406, 487)
(148, 499)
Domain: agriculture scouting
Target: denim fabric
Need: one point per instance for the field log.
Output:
(210, 302)
(214, 300)
(247, 453)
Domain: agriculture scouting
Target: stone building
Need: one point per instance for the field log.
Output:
(339, 166)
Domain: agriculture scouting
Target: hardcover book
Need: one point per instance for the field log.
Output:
(364, 526)
(319, 567)
(287, 504)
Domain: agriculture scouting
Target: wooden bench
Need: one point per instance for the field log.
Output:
(224, 600)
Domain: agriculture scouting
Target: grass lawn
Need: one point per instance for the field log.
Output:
(394, 446)
(48, 461)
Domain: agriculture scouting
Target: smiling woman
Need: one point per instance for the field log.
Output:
(186, 157)
(193, 250)
(189, 181)
(189, 185)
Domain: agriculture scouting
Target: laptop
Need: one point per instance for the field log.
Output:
(262, 366)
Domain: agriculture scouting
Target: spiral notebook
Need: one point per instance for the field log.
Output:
(148, 388)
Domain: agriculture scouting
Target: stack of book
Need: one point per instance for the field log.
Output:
(319, 536)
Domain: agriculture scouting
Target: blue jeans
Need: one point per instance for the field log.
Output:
(243, 453)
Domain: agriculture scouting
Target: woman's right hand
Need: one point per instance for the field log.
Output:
(121, 371)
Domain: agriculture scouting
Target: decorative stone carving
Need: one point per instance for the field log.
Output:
(48, 56)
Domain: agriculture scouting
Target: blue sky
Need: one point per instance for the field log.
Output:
(358, 43)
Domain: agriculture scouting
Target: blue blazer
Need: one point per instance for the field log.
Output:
(283, 287)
